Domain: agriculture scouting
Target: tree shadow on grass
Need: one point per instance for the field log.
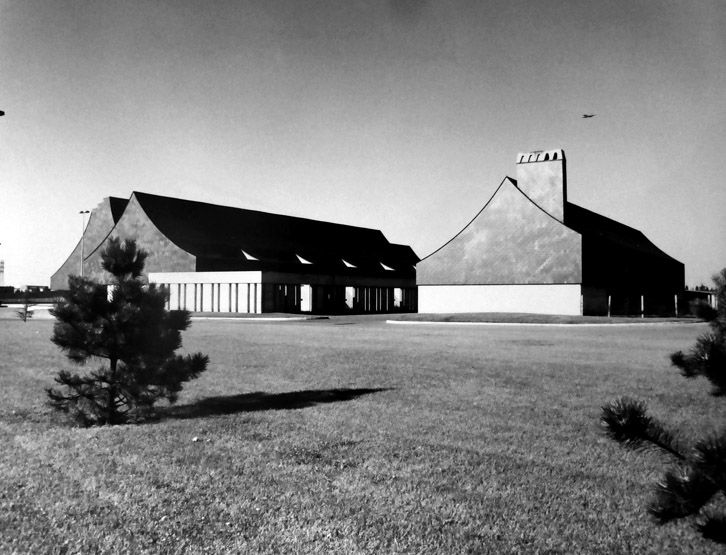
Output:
(259, 401)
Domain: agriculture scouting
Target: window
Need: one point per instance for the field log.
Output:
(397, 297)
(306, 298)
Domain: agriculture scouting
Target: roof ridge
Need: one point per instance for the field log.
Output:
(506, 177)
(597, 214)
(216, 232)
(226, 207)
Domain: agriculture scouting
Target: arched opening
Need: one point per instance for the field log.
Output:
(554, 156)
(547, 157)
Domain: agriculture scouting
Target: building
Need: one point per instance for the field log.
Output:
(530, 250)
(222, 259)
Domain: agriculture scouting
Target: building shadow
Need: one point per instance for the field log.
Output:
(260, 401)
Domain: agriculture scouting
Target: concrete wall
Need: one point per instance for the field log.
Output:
(534, 299)
(205, 277)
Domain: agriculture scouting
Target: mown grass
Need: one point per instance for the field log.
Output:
(359, 438)
(527, 318)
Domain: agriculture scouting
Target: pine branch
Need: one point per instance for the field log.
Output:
(709, 458)
(626, 421)
(701, 474)
(681, 492)
(714, 527)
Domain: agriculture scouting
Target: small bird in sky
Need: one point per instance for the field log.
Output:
(588, 115)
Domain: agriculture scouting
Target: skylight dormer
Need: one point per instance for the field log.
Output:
(302, 260)
(348, 264)
(387, 268)
(248, 256)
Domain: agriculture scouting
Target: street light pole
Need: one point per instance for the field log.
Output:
(83, 235)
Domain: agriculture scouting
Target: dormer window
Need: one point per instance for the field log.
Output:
(302, 260)
(388, 268)
(248, 256)
(348, 264)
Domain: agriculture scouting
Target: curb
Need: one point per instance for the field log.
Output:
(539, 324)
(248, 319)
(270, 319)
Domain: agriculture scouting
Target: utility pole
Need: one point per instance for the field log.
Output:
(83, 235)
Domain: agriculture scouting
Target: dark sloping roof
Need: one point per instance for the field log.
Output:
(212, 232)
(118, 205)
(593, 225)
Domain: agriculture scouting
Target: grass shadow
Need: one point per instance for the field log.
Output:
(260, 401)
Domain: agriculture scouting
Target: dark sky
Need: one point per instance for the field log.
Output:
(399, 115)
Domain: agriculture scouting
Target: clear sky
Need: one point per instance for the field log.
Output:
(400, 115)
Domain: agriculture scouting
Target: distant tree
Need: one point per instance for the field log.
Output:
(25, 311)
(700, 470)
(703, 287)
(128, 326)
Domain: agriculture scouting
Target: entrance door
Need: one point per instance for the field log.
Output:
(306, 298)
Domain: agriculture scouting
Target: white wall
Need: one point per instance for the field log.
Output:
(205, 277)
(212, 291)
(534, 299)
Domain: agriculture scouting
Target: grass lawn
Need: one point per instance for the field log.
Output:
(352, 435)
(525, 318)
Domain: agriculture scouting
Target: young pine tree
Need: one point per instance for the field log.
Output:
(699, 474)
(130, 331)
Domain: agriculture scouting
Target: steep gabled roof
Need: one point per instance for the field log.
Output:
(213, 232)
